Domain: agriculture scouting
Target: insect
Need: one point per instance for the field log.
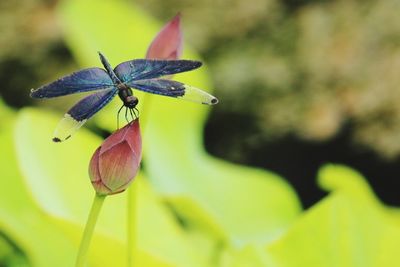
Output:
(140, 74)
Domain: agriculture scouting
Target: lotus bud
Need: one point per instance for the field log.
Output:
(116, 162)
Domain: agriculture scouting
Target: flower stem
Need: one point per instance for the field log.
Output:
(131, 226)
(89, 228)
(131, 220)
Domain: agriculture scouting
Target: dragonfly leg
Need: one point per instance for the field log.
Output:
(131, 113)
(126, 115)
(135, 110)
(119, 111)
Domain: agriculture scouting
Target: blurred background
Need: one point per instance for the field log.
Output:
(308, 82)
(301, 83)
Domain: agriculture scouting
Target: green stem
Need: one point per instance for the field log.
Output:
(89, 228)
(131, 220)
(131, 226)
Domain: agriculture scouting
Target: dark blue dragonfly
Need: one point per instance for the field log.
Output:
(141, 74)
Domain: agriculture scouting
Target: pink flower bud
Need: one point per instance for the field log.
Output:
(115, 163)
(168, 42)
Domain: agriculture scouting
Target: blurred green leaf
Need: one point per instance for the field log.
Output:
(57, 175)
(250, 255)
(105, 250)
(21, 220)
(10, 254)
(350, 228)
(5, 248)
(7, 116)
(232, 203)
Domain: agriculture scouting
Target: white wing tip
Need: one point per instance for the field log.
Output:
(214, 101)
(66, 128)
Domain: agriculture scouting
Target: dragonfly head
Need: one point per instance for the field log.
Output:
(125, 94)
(131, 101)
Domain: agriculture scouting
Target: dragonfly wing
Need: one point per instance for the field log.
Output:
(81, 81)
(140, 69)
(81, 112)
(174, 89)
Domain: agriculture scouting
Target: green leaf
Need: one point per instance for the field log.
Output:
(7, 116)
(249, 255)
(21, 221)
(57, 176)
(10, 253)
(350, 228)
(105, 250)
(230, 202)
(55, 173)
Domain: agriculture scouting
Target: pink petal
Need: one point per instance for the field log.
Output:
(130, 132)
(94, 166)
(94, 174)
(118, 166)
(114, 139)
(101, 189)
(134, 139)
(168, 42)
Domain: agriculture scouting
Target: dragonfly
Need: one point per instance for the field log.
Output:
(142, 74)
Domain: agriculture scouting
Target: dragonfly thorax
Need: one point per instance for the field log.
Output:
(125, 94)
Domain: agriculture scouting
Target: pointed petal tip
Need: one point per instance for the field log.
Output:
(167, 44)
(177, 18)
(130, 129)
